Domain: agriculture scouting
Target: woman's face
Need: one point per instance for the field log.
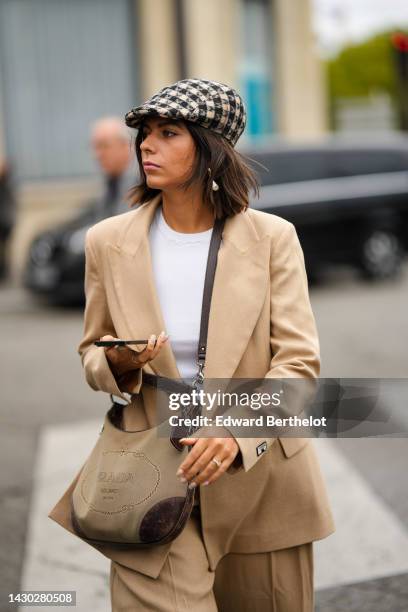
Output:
(169, 145)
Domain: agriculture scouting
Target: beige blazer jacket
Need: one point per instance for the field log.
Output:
(261, 326)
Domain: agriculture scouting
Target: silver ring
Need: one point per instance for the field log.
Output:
(216, 461)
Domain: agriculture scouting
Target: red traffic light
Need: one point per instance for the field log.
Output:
(400, 41)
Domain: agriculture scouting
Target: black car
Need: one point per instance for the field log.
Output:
(55, 267)
(348, 199)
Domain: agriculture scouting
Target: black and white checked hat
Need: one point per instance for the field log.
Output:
(213, 105)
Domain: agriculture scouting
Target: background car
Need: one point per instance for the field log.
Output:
(55, 266)
(348, 199)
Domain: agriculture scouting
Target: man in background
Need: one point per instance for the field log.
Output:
(111, 144)
(56, 259)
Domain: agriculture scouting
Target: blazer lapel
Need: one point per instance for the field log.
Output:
(240, 284)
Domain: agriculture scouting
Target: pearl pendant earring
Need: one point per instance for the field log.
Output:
(215, 186)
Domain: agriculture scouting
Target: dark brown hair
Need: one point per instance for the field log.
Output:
(229, 169)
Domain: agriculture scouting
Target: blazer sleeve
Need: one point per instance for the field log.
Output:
(97, 323)
(293, 334)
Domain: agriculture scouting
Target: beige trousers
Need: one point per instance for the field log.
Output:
(277, 581)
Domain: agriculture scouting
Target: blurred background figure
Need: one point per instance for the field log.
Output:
(55, 263)
(110, 140)
(7, 216)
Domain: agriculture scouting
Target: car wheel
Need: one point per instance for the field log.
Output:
(381, 254)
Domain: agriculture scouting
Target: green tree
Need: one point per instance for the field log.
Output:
(363, 69)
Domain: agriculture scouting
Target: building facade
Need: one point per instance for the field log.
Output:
(64, 64)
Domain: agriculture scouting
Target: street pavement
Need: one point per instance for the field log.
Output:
(50, 419)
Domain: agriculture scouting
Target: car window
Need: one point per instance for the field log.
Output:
(291, 166)
(363, 161)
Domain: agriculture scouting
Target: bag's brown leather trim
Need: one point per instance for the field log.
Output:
(115, 416)
(173, 533)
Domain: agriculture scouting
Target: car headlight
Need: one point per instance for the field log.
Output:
(76, 241)
(41, 251)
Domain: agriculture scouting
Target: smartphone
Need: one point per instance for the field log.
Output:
(119, 342)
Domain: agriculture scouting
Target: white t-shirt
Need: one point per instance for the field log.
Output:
(179, 264)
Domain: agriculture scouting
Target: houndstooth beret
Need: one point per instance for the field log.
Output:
(213, 105)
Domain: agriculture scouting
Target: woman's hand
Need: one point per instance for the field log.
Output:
(199, 464)
(124, 360)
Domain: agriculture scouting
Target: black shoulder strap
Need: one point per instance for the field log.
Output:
(207, 293)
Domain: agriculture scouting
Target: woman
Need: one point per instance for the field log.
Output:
(262, 501)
